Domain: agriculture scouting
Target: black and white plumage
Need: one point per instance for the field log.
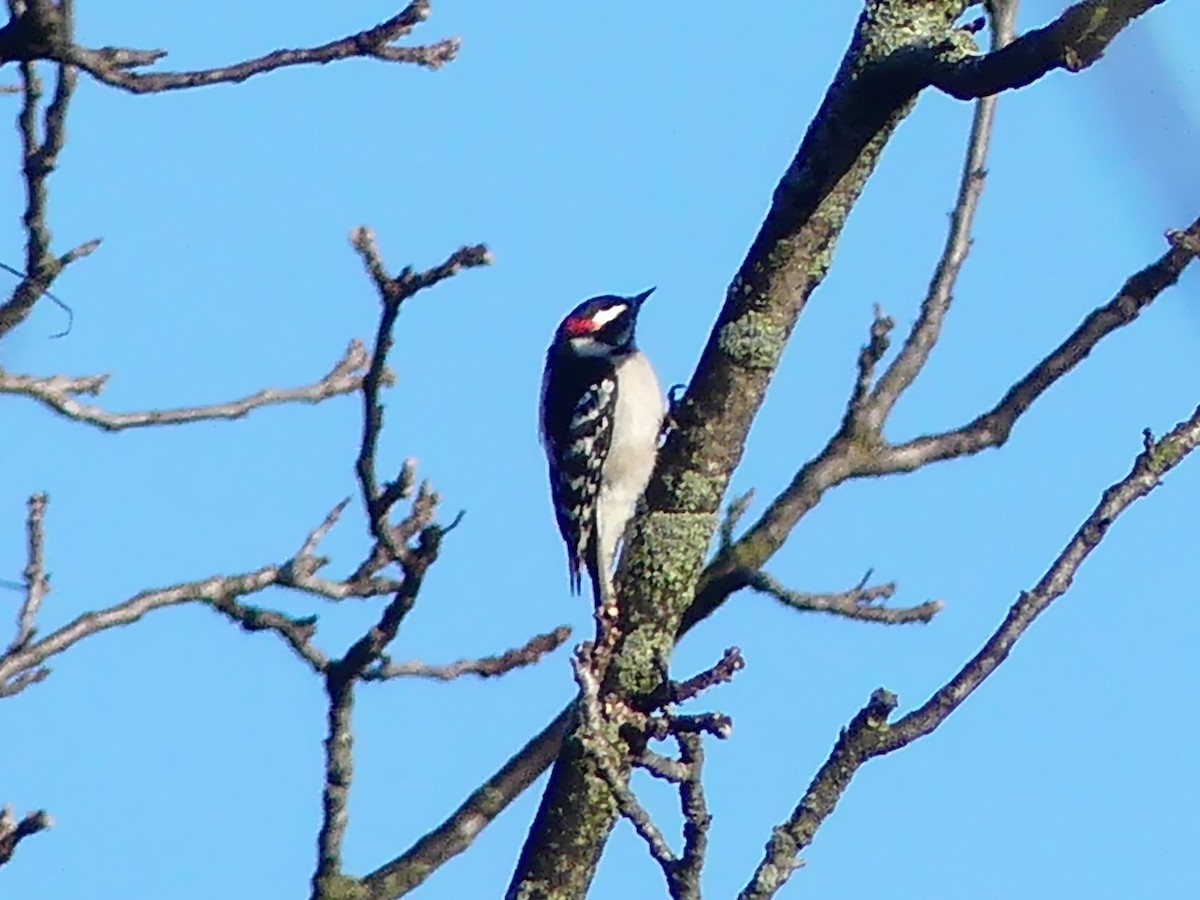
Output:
(601, 415)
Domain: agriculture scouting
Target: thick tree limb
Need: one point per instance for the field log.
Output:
(12, 832)
(870, 735)
(46, 32)
(60, 393)
(666, 546)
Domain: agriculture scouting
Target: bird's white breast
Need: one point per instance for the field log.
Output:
(637, 422)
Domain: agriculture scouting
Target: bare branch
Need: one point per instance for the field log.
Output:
(392, 294)
(408, 871)
(993, 427)
(869, 735)
(485, 667)
(845, 457)
(37, 582)
(60, 392)
(928, 327)
(40, 157)
(856, 603)
(296, 632)
(13, 832)
(722, 672)
(23, 666)
(685, 875)
(43, 32)
(856, 420)
(1074, 41)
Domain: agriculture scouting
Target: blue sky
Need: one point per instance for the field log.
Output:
(597, 150)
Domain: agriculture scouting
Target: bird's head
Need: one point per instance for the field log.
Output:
(601, 326)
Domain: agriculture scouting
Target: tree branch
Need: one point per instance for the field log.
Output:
(13, 832)
(22, 665)
(46, 31)
(366, 653)
(928, 327)
(39, 160)
(869, 735)
(993, 428)
(60, 392)
(409, 870)
(1074, 41)
(856, 603)
(37, 582)
(846, 457)
(528, 654)
(666, 545)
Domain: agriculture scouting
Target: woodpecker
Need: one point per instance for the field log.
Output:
(601, 415)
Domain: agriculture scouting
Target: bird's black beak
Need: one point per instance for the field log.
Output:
(641, 298)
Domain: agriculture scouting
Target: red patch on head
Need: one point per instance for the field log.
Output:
(578, 327)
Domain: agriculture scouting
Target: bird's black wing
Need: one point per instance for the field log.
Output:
(576, 432)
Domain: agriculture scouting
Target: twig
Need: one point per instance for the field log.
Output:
(855, 603)
(601, 751)
(24, 666)
(722, 672)
(993, 427)
(40, 157)
(45, 35)
(37, 582)
(392, 294)
(13, 832)
(869, 735)
(869, 357)
(734, 513)
(685, 875)
(366, 654)
(529, 653)
(928, 328)
(60, 392)
(296, 632)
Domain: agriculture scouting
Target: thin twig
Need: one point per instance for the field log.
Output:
(116, 66)
(856, 603)
(37, 582)
(39, 159)
(24, 666)
(928, 328)
(529, 653)
(60, 392)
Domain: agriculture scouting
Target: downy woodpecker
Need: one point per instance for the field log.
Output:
(601, 415)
